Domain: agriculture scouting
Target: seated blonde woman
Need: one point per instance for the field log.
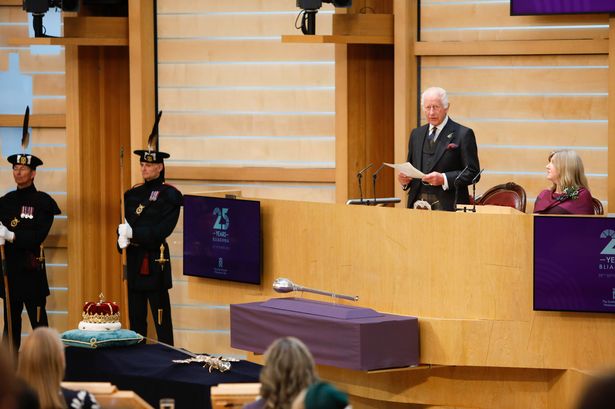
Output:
(42, 365)
(289, 368)
(569, 193)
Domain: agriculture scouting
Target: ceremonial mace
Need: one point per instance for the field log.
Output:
(7, 298)
(284, 285)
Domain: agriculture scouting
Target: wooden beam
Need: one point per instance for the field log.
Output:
(405, 81)
(528, 47)
(251, 174)
(337, 39)
(36, 121)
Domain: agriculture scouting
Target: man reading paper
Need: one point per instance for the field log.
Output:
(445, 152)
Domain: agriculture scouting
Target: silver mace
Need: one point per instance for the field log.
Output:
(284, 285)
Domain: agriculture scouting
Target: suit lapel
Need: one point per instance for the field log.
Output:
(421, 136)
(445, 137)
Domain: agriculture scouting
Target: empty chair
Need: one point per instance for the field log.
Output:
(507, 194)
(598, 209)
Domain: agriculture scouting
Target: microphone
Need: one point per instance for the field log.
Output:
(359, 178)
(477, 176)
(456, 189)
(374, 177)
(474, 189)
(284, 285)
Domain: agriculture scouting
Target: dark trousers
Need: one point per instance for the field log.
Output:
(17, 305)
(137, 313)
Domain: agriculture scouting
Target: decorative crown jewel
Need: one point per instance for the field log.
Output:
(101, 312)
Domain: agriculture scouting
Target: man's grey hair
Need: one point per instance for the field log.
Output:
(440, 92)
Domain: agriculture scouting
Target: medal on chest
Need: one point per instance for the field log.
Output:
(139, 209)
(27, 212)
(14, 222)
(154, 195)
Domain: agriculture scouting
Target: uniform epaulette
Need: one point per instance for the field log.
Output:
(137, 185)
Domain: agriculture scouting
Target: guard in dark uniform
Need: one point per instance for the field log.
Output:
(26, 216)
(152, 210)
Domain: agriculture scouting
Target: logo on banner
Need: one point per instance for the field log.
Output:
(610, 247)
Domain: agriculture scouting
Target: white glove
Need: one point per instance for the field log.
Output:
(6, 234)
(125, 230)
(123, 242)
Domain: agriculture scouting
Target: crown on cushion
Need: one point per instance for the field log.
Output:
(101, 312)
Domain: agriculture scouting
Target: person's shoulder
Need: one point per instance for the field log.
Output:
(459, 127)
(173, 193)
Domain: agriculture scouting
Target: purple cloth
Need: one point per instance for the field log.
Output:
(548, 202)
(385, 341)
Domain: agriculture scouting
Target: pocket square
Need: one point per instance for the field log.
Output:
(451, 146)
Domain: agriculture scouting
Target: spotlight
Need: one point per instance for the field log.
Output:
(38, 8)
(309, 8)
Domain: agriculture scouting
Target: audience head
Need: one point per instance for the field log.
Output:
(565, 170)
(435, 104)
(289, 368)
(7, 380)
(600, 394)
(321, 395)
(41, 365)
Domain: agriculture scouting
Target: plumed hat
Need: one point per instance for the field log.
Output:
(25, 158)
(151, 154)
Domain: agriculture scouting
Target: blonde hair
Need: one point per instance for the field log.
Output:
(289, 368)
(570, 168)
(41, 365)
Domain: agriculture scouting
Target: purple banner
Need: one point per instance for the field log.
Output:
(525, 7)
(222, 238)
(574, 264)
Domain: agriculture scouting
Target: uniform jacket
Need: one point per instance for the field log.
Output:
(29, 214)
(152, 210)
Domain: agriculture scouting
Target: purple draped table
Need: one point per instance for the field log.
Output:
(337, 335)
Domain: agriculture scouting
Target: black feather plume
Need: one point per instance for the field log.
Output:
(25, 137)
(152, 141)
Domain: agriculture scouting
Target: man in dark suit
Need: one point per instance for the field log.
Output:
(445, 152)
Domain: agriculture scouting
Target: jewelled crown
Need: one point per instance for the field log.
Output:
(101, 312)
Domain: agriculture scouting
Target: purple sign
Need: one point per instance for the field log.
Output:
(222, 238)
(529, 7)
(574, 264)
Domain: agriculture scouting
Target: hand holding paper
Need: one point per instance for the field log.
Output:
(407, 169)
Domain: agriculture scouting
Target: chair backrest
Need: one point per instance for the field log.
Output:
(507, 194)
(598, 209)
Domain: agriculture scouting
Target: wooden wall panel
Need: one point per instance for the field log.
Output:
(459, 20)
(250, 100)
(252, 151)
(523, 107)
(246, 124)
(232, 24)
(238, 75)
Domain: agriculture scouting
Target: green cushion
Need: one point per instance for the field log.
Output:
(100, 339)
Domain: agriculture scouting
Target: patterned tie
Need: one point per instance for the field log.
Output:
(432, 138)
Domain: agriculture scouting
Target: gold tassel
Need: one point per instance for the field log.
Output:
(159, 316)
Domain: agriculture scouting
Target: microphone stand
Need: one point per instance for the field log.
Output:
(359, 180)
(474, 189)
(374, 177)
(455, 185)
